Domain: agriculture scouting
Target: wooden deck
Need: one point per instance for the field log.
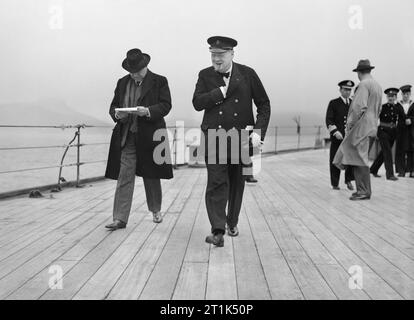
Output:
(298, 240)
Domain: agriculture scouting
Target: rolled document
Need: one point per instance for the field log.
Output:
(135, 109)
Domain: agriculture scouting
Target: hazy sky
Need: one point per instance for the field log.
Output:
(301, 49)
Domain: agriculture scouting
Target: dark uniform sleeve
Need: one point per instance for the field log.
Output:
(410, 113)
(204, 99)
(330, 118)
(163, 107)
(262, 102)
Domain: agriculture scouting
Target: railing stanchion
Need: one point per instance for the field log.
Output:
(175, 148)
(275, 139)
(78, 158)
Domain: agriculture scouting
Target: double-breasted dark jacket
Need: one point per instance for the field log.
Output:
(336, 116)
(235, 111)
(155, 95)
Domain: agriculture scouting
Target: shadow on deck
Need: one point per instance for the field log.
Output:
(298, 240)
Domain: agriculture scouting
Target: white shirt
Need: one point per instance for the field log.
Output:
(226, 81)
(346, 101)
(406, 106)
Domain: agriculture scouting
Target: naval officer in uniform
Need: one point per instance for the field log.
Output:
(391, 114)
(336, 116)
(225, 91)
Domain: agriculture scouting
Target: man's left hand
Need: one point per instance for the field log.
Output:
(256, 140)
(142, 112)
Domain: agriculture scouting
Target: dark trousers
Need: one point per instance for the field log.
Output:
(335, 172)
(362, 180)
(386, 137)
(126, 182)
(404, 162)
(225, 186)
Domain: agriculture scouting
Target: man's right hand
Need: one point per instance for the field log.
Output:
(338, 135)
(121, 115)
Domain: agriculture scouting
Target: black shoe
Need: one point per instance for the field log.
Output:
(401, 175)
(117, 224)
(216, 239)
(393, 178)
(251, 179)
(233, 232)
(360, 197)
(354, 194)
(157, 217)
(349, 186)
(336, 188)
(376, 175)
(412, 175)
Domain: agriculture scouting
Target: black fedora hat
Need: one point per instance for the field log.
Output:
(363, 65)
(135, 60)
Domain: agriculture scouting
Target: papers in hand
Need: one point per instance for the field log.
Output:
(135, 109)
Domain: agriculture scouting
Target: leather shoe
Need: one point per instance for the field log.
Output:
(349, 186)
(360, 197)
(376, 175)
(393, 178)
(402, 175)
(251, 179)
(216, 239)
(233, 232)
(336, 188)
(412, 175)
(117, 224)
(156, 217)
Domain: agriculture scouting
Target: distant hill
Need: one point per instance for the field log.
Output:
(44, 112)
(57, 112)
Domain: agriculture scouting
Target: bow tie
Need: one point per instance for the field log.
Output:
(224, 74)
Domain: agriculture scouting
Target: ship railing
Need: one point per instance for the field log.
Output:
(296, 134)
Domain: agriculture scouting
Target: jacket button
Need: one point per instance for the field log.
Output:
(220, 112)
(236, 100)
(235, 114)
(219, 126)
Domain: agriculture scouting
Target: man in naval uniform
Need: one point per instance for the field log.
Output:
(336, 116)
(224, 91)
(390, 114)
(404, 153)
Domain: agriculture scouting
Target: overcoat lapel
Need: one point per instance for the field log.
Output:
(148, 83)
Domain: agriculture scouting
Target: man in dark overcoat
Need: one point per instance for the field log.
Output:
(225, 91)
(139, 144)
